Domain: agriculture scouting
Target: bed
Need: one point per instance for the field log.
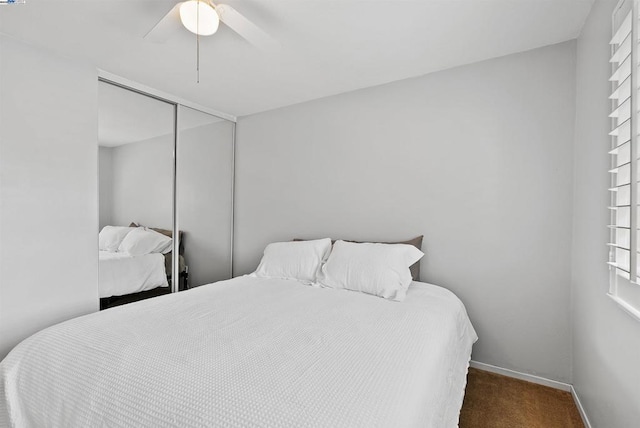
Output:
(248, 352)
(122, 273)
(125, 278)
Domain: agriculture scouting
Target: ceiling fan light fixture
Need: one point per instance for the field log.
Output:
(199, 17)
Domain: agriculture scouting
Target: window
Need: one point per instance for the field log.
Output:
(624, 244)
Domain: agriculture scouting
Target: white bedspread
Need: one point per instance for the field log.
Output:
(121, 273)
(247, 352)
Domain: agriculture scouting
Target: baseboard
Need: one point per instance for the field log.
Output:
(522, 376)
(539, 380)
(583, 414)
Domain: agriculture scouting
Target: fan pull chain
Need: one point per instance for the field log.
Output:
(198, 43)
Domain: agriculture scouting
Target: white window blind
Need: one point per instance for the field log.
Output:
(625, 167)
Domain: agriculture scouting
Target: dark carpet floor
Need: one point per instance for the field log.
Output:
(496, 401)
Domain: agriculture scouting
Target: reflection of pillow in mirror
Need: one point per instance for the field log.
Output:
(142, 241)
(111, 237)
(166, 232)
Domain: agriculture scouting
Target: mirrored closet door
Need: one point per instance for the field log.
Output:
(204, 196)
(165, 197)
(136, 138)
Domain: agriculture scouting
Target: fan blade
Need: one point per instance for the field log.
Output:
(166, 27)
(245, 28)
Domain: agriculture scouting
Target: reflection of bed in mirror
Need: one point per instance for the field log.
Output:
(122, 273)
(125, 277)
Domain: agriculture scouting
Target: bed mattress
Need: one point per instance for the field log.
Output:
(121, 273)
(247, 352)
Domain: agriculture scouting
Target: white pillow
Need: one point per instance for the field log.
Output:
(300, 260)
(378, 269)
(142, 241)
(110, 237)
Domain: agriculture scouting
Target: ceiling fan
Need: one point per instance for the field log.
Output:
(202, 17)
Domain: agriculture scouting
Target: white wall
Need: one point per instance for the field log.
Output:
(142, 183)
(105, 186)
(477, 158)
(48, 191)
(606, 341)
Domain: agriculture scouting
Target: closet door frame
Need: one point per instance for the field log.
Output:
(177, 102)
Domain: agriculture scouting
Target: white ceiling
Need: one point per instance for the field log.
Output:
(327, 46)
(127, 117)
